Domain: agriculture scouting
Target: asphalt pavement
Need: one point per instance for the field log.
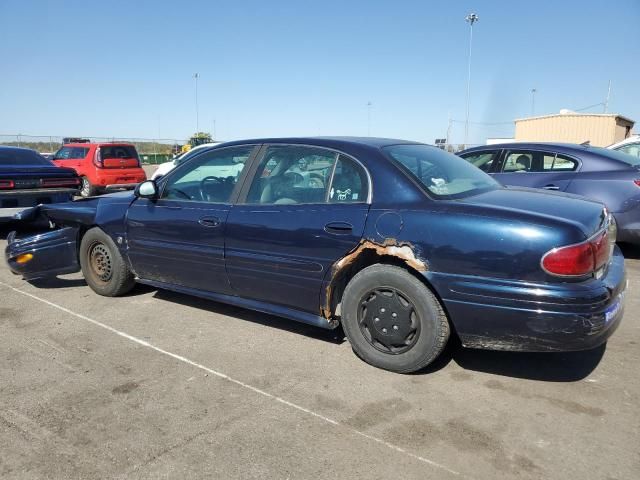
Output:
(162, 385)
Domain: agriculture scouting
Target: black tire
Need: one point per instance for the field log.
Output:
(87, 189)
(415, 326)
(103, 267)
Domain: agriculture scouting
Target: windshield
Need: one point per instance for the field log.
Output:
(443, 174)
(617, 155)
(15, 156)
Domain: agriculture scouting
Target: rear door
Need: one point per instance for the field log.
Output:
(305, 208)
(179, 238)
(537, 169)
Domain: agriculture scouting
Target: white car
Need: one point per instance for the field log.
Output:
(630, 146)
(166, 167)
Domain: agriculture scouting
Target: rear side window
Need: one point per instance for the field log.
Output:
(350, 183)
(291, 174)
(482, 160)
(118, 151)
(630, 149)
(71, 153)
(523, 161)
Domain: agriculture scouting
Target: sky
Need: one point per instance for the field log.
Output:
(295, 68)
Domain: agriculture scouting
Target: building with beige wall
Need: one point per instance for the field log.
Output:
(599, 129)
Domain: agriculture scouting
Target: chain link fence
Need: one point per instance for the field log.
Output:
(151, 150)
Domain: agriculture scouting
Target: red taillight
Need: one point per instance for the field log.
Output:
(97, 159)
(6, 184)
(60, 182)
(637, 182)
(579, 259)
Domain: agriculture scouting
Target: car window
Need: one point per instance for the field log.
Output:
(291, 174)
(118, 151)
(523, 161)
(482, 160)
(630, 149)
(443, 174)
(21, 156)
(349, 183)
(209, 177)
(558, 163)
(71, 153)
(519, 162)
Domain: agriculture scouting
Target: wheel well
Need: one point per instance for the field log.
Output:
(364, 260)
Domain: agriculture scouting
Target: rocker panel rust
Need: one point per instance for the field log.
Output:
(404, 251)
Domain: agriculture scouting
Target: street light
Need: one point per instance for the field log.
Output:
(533, 101)
(196, 75)
(470, 19)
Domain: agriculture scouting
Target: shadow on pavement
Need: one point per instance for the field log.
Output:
(57, 282)
(630, 251)
(545, 366)
(333, 336)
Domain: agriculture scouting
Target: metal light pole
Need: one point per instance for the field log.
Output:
(471, 19)
(196, 75)
(369, 119)
(533, 101)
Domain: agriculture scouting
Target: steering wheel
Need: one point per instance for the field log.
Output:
(315, 181)
(293, 178)
(219, 181)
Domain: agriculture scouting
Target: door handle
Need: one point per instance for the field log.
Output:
(551, 186)
(338, 228)
(209, 221)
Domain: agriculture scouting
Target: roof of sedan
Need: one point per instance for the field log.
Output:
(335, 142)
(519, 145)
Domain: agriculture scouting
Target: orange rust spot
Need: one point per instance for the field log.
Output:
(390, 247)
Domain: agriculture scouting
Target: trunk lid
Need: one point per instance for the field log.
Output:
(119, 156)
(588, 215)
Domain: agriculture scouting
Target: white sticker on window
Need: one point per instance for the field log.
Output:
(354, 196)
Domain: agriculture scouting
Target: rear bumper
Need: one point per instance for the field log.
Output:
(54, 252)
(120, 186)
(511, 315)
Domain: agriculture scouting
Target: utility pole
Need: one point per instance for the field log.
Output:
(215, 137)
(196, 75)
(448, 128)
(470, 19)
(369, 119)
(606, 102)
(533, 101)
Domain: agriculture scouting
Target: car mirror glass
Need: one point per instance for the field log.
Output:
(147, 189)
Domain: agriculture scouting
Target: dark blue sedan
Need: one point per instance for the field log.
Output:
(27, 179)
(399, 242)
(609, 176)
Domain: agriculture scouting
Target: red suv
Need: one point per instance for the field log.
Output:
(102, 166)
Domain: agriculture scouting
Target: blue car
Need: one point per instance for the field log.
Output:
(27, 179)
(400, 243)
(608, 176)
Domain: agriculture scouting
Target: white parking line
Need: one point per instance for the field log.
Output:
(237, 382)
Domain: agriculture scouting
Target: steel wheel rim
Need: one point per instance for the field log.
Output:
(388, 320)
(100, 262)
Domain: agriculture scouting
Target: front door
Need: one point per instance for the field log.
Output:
(537, 169)
(305, 208)
(179, 238)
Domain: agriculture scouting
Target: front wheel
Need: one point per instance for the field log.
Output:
(102, 265)
(392, 320)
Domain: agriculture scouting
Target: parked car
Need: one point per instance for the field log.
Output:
(605, 175)
(401, 243)
(102, 167)
(27, 179)
(630, 146)
(166, 167)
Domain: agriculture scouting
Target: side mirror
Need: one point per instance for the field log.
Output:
(147, 189)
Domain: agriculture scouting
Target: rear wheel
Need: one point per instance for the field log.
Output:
(103, 267)
(87, 189)
(393, 320)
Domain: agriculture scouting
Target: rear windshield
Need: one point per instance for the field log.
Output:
(118, 151)
(11, 156)
(443, 174)
(616, 155)
(71, 153)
